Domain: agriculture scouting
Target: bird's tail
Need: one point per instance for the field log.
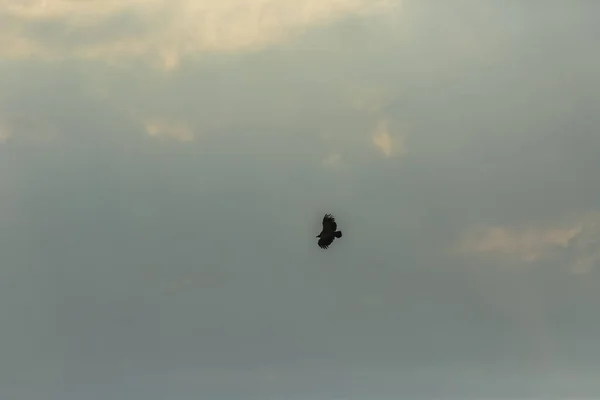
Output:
(338, 234)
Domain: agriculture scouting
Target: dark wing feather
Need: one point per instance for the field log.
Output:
(329, 224)
(325, 240)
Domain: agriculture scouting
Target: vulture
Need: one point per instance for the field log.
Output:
(329, 232)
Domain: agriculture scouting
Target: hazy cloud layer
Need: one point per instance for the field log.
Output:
(577, 244)
(164, 166)
(162, 31)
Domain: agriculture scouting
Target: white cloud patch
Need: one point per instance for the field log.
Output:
(577, 243)
(164, 30)
(385, 142)
(175, 130)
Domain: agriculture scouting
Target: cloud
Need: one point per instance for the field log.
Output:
(529, 244)
(175, 130)
(164, 30)
(577, 244)
(333, 160)
(5, 132)
(4, 136)
(586, 245)
(371, 101)
(387, 145)
(17, 127)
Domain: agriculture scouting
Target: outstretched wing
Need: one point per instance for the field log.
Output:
(329, 224)
(325, 240)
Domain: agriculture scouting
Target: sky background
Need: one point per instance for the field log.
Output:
(165, 165)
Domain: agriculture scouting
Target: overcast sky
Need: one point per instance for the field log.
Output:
(165, 165)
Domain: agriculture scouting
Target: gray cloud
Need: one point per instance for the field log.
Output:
(157, 229)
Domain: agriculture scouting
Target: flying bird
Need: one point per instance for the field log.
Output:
(329, 232)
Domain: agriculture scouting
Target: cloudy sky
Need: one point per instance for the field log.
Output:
(165, 164)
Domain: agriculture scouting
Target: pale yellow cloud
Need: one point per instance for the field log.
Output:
(5, 132)
(162, 30)
(387, 144)
(168, 129)
(371, 100)
(4, 136)
(529, 244)
(577, 242)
